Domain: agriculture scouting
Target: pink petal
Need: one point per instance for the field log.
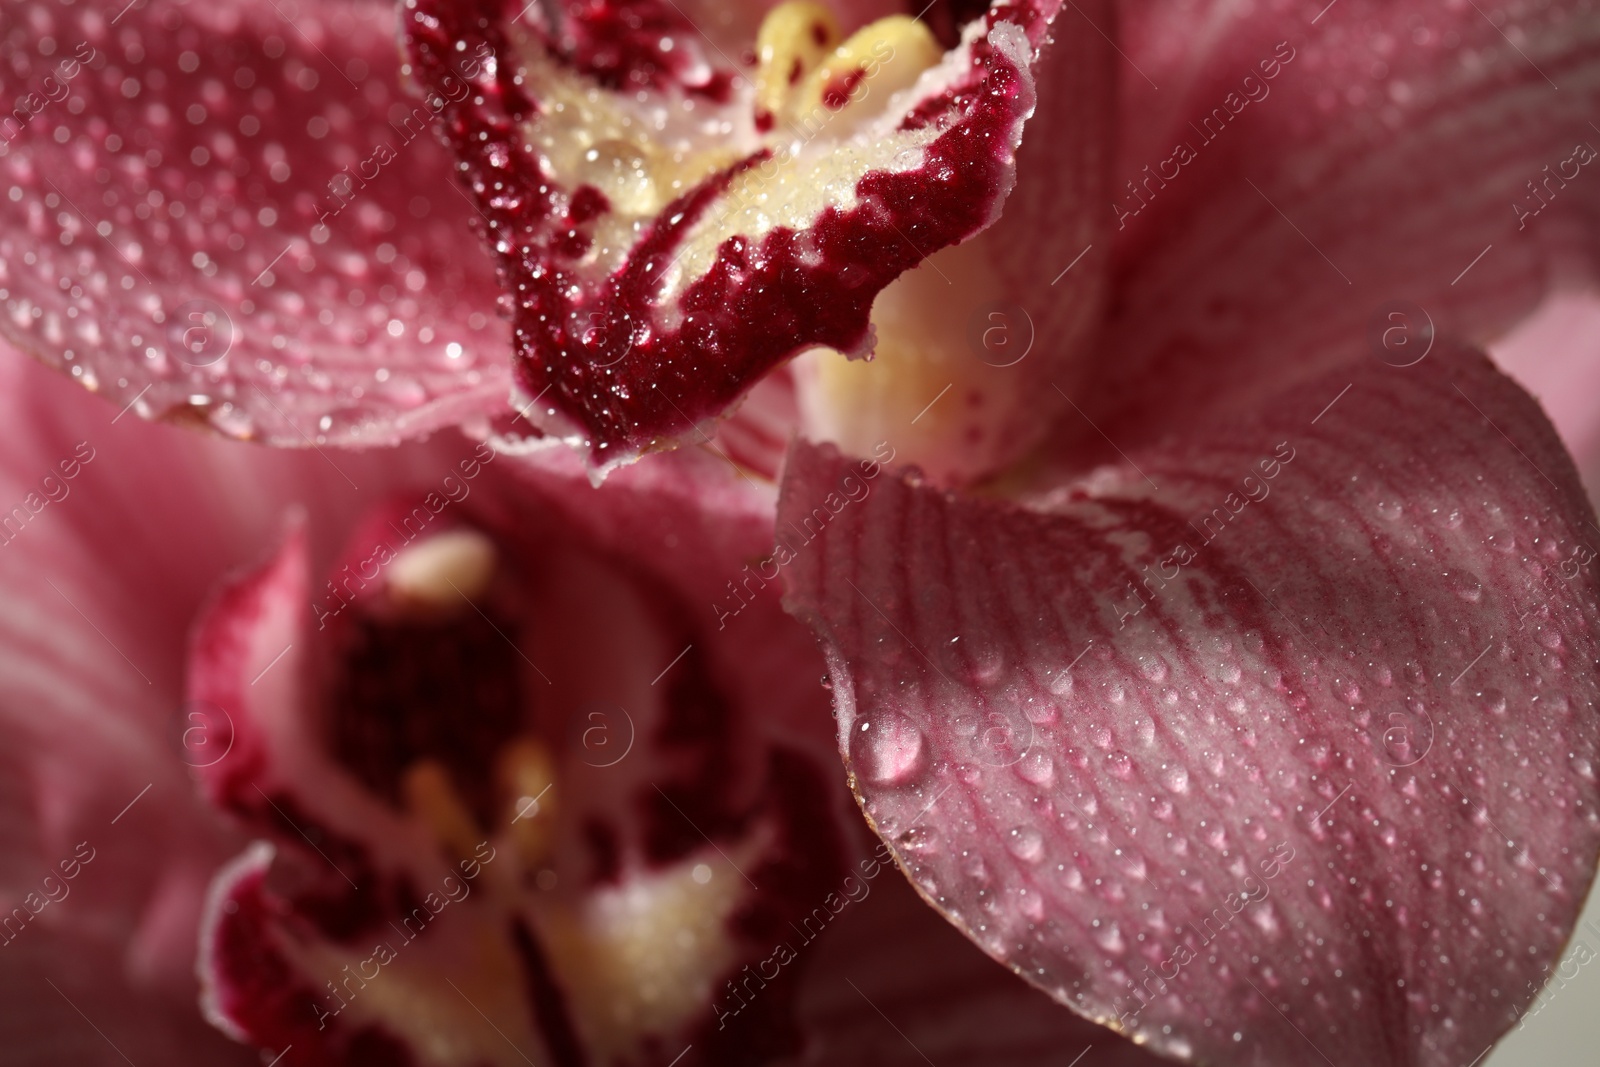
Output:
(161, 237)
(47, 1027)
(1378, 172)
(114, 529)
(636, 325)
(1319, 785)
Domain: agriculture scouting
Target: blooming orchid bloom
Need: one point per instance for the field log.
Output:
(1210, 627)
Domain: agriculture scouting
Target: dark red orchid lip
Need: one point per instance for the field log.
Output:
(637, 319)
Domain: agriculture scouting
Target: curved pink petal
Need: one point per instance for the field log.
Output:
(1309, 175)
(1275, 743)
(236, 215)
(667, 238)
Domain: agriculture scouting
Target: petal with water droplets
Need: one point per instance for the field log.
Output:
(235, 215)
(1208, 745)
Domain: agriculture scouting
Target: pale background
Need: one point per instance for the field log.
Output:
(1549, 357)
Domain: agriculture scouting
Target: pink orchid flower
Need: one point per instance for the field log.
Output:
(1219, 657)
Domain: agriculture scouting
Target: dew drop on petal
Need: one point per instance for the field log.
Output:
(919, 840)
(1153, 667)
(887, 748)
(1036, 767)
(1025, 843)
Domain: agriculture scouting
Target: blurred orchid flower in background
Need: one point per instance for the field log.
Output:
(1209, 626)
